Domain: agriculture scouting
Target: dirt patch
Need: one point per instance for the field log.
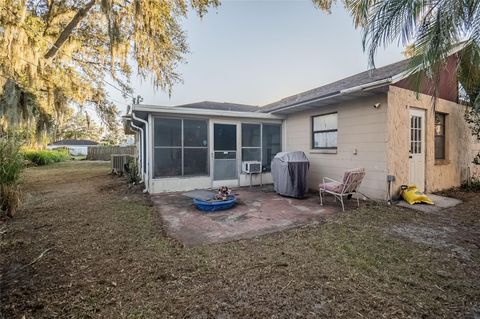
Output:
(109, 259)
(439, 238)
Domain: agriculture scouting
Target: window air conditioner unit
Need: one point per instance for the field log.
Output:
(252, 167)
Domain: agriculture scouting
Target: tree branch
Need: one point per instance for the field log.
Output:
(81, 13)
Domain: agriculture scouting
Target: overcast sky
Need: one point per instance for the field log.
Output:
(256, 52)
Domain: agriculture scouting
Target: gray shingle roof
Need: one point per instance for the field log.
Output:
(74, 142)
(366, 77)
(223, 106)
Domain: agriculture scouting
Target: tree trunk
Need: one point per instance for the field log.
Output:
(69, 29)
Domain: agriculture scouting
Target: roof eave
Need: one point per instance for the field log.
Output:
(364, 87)
(203, 112)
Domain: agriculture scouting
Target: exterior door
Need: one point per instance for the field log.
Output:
(417, 149)
(225, 155)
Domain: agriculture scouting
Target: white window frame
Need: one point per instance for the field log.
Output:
(313, 132)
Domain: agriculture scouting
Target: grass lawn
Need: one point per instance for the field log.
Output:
(105, 255)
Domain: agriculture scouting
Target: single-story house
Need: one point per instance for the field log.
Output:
(374, 119)
(75, 147)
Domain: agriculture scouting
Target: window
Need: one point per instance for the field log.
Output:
(261, 142)
(324, 131)
(180, 147)
(440, 136)
(416, 134)
(251, 142)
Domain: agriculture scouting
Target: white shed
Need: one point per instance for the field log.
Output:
(76, 147)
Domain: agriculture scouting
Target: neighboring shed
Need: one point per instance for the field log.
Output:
(75, 147)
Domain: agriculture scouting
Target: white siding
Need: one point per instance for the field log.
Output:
(361, 127)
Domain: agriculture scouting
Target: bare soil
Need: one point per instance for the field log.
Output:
(85, 245)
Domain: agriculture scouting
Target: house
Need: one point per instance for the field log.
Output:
(374, 119)
(75, 147)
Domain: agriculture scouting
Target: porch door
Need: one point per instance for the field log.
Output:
(225, 155)
(417, 149)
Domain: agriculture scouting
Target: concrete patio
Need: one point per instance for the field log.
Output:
(259, 211)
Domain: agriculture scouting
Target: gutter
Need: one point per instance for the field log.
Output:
(147, 162)
(138, 128)
(363, 87)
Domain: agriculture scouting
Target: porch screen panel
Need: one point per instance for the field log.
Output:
(251, 142)
(195, 147)
(180, 147)
(167, 141)
(271, 144)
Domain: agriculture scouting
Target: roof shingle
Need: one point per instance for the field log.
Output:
(222, 106)
(362, 78)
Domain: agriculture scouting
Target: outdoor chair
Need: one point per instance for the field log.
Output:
(351, 182)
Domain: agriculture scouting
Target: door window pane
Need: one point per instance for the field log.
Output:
(195, 133)
(271, 144)
(251, 135)
(168, 162)
(225, 137)
(167, 132)
(195, 161)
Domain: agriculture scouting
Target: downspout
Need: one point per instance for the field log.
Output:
(147, 162)
(138, 128)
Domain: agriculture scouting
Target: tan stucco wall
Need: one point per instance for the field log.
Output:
(361, 127)
(460, 143)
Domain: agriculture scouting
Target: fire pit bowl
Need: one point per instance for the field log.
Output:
(215, 205)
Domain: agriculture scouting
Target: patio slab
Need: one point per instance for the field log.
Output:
(258, 212)
(440, 203)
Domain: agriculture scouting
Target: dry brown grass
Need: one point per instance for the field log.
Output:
(108, 258)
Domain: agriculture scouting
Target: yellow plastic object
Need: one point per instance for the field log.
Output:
(413, 196)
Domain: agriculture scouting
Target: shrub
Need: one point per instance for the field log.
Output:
(133, 176)
(11, 165)
(473, 185)
(47, 157)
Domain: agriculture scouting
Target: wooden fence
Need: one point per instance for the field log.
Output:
(104, 153)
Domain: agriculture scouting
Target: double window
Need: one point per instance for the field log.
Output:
(261, 142)
(180, 147)
(324, 131)
(440, 152)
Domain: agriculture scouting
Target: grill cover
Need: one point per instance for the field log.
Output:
(289, 173)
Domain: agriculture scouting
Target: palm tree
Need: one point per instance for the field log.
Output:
(431, 29)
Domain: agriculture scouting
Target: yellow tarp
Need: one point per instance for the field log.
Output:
(413, 196)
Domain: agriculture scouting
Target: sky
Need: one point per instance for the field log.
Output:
(257, 52)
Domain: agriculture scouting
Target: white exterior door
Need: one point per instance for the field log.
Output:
(224, 155)
(417, 149)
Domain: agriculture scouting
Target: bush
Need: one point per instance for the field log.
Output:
(11, 165)
(133, 175)
(472, 186)
(47, 157)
